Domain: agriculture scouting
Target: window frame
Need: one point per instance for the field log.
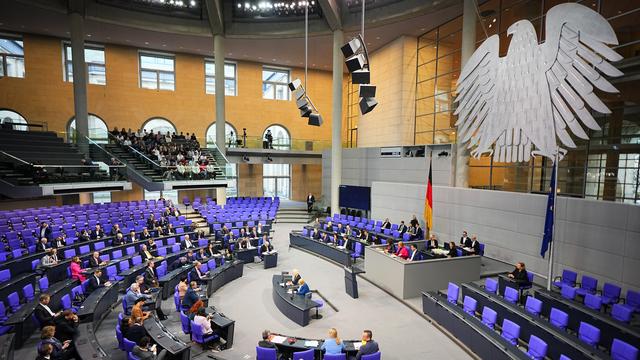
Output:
(3, 57)
(234, 78)
(142, 53)
(275, 83)
(66, 62)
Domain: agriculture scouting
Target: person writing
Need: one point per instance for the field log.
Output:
(402, 251)
(333, 344)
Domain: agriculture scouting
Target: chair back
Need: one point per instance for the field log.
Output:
(119, 337)
(128, 344)
(589, 284)
(303, 355)
(569, 277)
(452, 293)
(568, 292)
(176, 300)
(593, 302)
(266, 353)
(335, 357)
(374, 356)
(589, 334)
(610, 293)
(130, 356)
(533, 306)
(621, 313)
(510, 331)
(633, 299)
(470, 305)
(559, 318)
(43, 284)
(489, 317)
(511, 294)
(537, 348)
(28, 292)
(184, 321)
(491, 285)
(620, 350)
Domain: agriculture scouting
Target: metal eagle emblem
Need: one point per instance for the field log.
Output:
(538, 93)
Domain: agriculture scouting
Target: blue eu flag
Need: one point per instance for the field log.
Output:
(548, 221)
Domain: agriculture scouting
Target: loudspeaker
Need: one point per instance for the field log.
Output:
(298, 93)
(367, 104)
(295, 84)
(367, 91)
(302, 102)
(360, 76)
(351, 47)
(315, 119)
(305, 111)
(355, 62)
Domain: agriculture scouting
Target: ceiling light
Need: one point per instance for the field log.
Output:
(193, 3)
(239, 6)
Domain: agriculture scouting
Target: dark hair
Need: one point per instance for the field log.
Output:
(45, 349)
(201, 311)
(369, 334)
(144, 341)
(266, 334)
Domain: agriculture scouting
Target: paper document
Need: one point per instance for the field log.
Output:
(290, 291)
(278, 339)
(311, 343)
(356, 345)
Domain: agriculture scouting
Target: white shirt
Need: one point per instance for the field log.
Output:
(204, 323)
(412, 255)
(46, 307)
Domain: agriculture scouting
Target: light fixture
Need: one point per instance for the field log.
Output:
(367, 104)
(245, 158)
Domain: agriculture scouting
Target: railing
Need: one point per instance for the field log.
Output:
(257, 142)
(43, 126)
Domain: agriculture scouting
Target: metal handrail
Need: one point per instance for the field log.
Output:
(91, 141)
(221, 153)
(16, 158)
(134, 150)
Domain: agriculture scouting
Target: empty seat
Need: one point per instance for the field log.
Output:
(621, 313)
(589, 334)
(588, 286)
(533, 306)
(510, 331)
(28, 292)
(537, 348)
(511, 295)
(14, 301)
(491, 285)
(620, 350)
(489, 317)
(5, 275)
(559, 318)
(470, 305)
(633, 300)
(610, 294)
(452, 292)
(568, 278)
(593, 302)
(568, 292)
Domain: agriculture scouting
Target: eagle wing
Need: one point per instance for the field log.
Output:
(575, 54)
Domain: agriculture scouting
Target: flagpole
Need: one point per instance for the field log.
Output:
(555, 207)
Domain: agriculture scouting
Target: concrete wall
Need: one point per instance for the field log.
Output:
(595, 238)
(363, 166)
(393, 71)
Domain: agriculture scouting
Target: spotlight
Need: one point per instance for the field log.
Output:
(269, 159)
(355, 62)
(298, 93)
(315, 119)
(305, 111)
(443, 154)
(351, 47)
(302, 103)
(367, 91)
(360, 76)
(367, 104)
(295, 84)
(245, 158)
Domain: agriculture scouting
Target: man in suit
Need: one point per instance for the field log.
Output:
(386, 224)
(474, 249)
(95, 261)
(44, 231)
(465, 241)
(146, 235)
(366, 237)
(151, 221)
(402, 228)
(369, 346)
(151, 245)
(59, 242)
(432, 243)
(43, 245)
(97, 233)
(324, 237)
(132, 295)
(150, 278)
(145, 352)
(186, 243)
(182, 261)
(519, 274)
(115, 230)
(136, 331)
(266, 246)
(145, 253)
(417, 232)
(43, 312)
(67, 326)
(197, 275)
(191, 296)
(191, 257)
(95, 281)
(310, 201)
(132, 236)
(118, 240)
(414, 253)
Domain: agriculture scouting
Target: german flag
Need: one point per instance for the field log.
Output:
(428, 200)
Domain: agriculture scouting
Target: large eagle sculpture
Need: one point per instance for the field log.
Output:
(534, 96)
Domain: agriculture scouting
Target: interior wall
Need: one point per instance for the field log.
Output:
(393, 71)
(136, 193)
(250, 180)
(305, 179)
(596, 238)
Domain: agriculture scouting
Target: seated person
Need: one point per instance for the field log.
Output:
(181, 261)
(143, 351)
(474, 248)
(333, 344)
(190, 256)
(340, 229)
(83, 236)
(76, 269)
(193, 310)
(95, 281)
(202, 255)
(453, 250)
(182, 287)
(59, 242)
(303, 289)
(197, 274)
(244, 243)
(519, 275)
(43, 312)
(386, 224)
(136, 330)
(211, 250)
(151, 245)
(345, 242)
(324, 237)
(366, 237)
(44, 352)
(61, 350)
(204, 321)
(132, 237)
(115, 230)
(186, 243)
(266, 340)
(315, 234)
(414, 253)
(295, 278)
(402, 251)
(432, 243)
(132, 295)
(51, 258)
(137, 312)
(334, 239)
(402, 228)
(118, 240)
(146, 235)
(145, 253)
(95, 261)
(97, 233)
(67, 326)
(417, 232)
(266, 246)
(150, 277)
(369, 346)
(191, 296)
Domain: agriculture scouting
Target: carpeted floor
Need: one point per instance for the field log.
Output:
(401, 332)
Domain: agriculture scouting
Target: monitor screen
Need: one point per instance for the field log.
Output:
(355, 197)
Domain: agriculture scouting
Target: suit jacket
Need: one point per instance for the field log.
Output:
(520, 276)
(95, 235)
(43, 316)
(475, 245)
(465, 241)
(146, 236)
(184, 244)
(149, 277)
(94, 283)
(136, 332)
(65, 329)
(311, 199)
(386, 225)
(146, 256)
(371, 347)
(432, 244)
(40, 247)
(143, 354)
(58, 243)
(93, 263)
(303, 290)
(402, 229)
(419, 234)
(266, 344)
(117, 241)
(190, 298)
(46, 234)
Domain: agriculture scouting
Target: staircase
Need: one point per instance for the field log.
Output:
(134, 162)
(198, 220)
(292, 212)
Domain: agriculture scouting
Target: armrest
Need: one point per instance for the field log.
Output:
(557, 278)
(622, 300)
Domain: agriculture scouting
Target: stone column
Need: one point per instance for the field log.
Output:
(336, 121)
(76, 20)
(468, 47)
(218, 53)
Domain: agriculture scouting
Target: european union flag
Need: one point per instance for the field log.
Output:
(548, 221)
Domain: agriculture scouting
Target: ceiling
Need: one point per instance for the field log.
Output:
(270, 43)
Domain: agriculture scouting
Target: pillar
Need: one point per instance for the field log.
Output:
(218, 53)
(221, 195)
(336, 121)
(468, 47)
(76, 19)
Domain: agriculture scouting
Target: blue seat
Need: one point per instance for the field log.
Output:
(621, 313)
(130, 356)
(568, 278)
(200, 338)
(176, 301)
(593, 302)
(28, 292)
(589, 334)
(610, 294)
(67, 304)
(559, 318)
(469, 305)
(537, 348)
(491, 285)
(266, 353)
(334, 357)
(589, 285)
(620, 350)
(568, 292)
(510, 331)
(452, 293)
(185, 323)
(374, 356)
(533, 306)
(14, 301)
(304, 355)
(119, 337)
(633, 300)
(128, 345)
(489, 317)
(511, 295)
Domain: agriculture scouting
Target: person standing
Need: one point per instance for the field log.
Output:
(310, 201)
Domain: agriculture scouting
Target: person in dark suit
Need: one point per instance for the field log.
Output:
(97, 233)
(266, 340)
(186, 243)
(191, 257)
(310, 201)
(95, 261)
(151, 221)
(323, 237)
(178, 263)
(453, 250)
(465, 241)
(143, 351)
(95, 281)
(146, 235)
(59, 242)
(266, 245)
(83, 236)
(197, 275)
(432, 243)
(44, 231)
(414, 253)
(417, 232)
(191, 296)
(145, 253)
(43, 245)
(44, 351)
(474, 249)
(43, 312)
(386, 224)
(151, 245)
(150, 278)
(366, 237)
(402, 228)
(115, 230)
(369, 346)
(118, 240)
(136, 331)
(519, 274)
(67, 326)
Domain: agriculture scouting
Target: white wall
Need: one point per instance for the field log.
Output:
(597, 238)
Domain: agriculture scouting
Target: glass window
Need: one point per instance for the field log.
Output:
(12, 117)
(229, 78)
(98, 130)
(281, 140)
(232, 177)
(101, 197)
(230, 135)
(276, 180)
(167, 195)
(159, 125)
(94, 58)
(157, 72)
(275, 84)
(11, 57)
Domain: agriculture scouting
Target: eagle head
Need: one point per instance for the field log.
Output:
(519, 26)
